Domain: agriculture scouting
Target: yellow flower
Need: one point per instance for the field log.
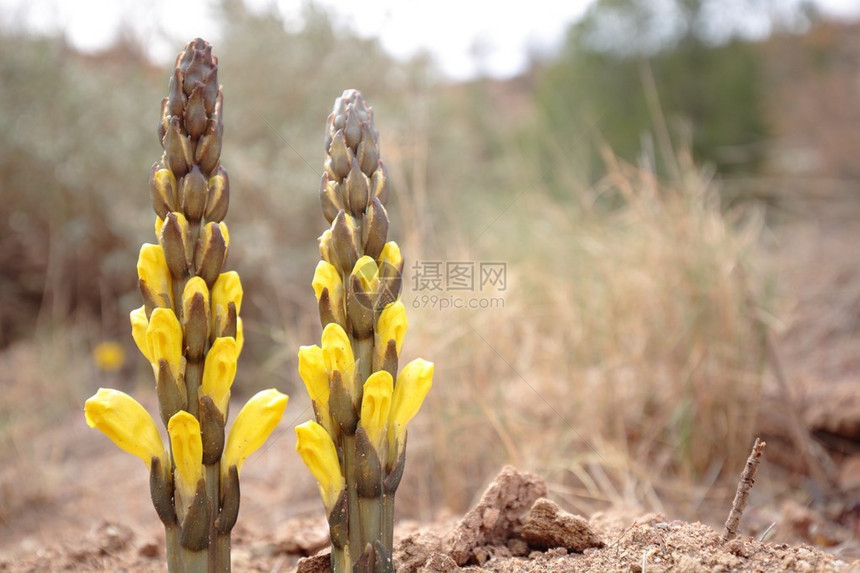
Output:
(121, 418)
(154, 275)
(375, 406)
(187, 447)
(326, 276)
(219, 371)
(337, 352)
(139, 324)
(252, 427)
(413, 384)
(164, 340)
(317, 450)
(159, 223)
(367, 273)
(313, 373)
(109, 356)
(325, 247)
(390, 255)
(392, 325)
(227, 289)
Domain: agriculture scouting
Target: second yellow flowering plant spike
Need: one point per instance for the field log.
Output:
(189, 329)
(356, 448)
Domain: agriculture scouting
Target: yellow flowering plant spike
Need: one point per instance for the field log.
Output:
(190, 330)
(355, 448)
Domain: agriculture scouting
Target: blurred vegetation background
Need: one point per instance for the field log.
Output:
(622, 183)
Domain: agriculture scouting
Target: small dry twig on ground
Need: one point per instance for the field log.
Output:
(743, 491)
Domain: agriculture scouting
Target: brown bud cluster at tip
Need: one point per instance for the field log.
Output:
(354, 176)
(189, 185)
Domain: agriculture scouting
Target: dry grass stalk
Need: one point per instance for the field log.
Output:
(742, 494)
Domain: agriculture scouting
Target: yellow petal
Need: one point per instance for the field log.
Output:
(227, 289)
(139, 324)
(392, 325)
(325, 246)
(187, 447)
(337, 352)
(317, 450)
(164, 340)
(413, 384)
(390, 255)
(375, 406)
(326, 276)
(313, 373)
(252, 427)
(240, 335)
(194, 286)
(367, 273)
(159, 222)
(121, 418)
(219, 371)
(152, 270)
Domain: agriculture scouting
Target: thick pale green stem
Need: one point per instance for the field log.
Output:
(351, 476)
(193, 561)
(193, 380)
(221, 559)
(219, 544)
(171, 533)
(388, 522)
(370, 509)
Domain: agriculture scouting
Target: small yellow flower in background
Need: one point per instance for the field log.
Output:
(413, 384)
(376, 405)
(109, 356)
(317, 449)
(154, 274)
(164, 340)
(219, 371)
(337, 352)
(252, 427)
(187, 447)
(121, 418)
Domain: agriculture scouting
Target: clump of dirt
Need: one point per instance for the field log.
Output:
(512, 529)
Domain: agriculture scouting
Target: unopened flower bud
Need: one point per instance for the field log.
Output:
(211, 251)
(195, 317)
(194, 193)
(175, 241)
(177, 149)
(375, 229)
(162, 184)
(357, 189)
(219, 195)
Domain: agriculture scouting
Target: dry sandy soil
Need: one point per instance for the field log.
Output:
(72, 503)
